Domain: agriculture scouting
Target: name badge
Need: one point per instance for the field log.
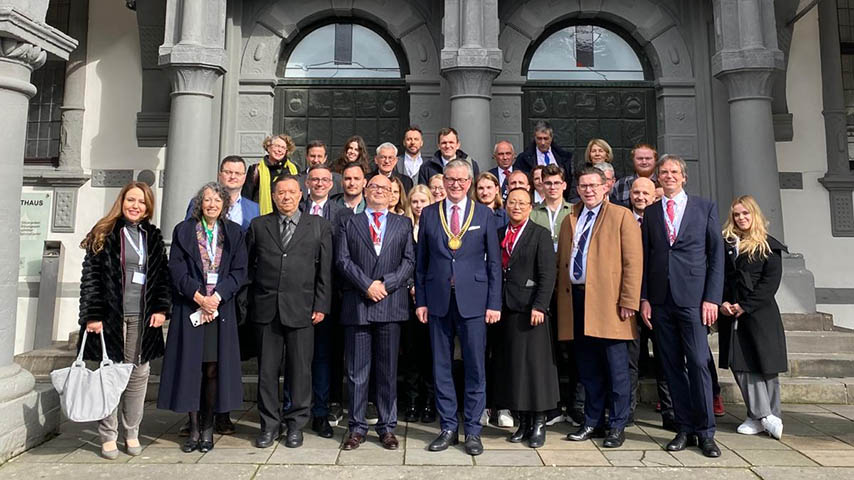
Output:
(138, 278)
(212, 278)
(555, 247)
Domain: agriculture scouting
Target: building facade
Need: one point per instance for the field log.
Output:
(752, 94)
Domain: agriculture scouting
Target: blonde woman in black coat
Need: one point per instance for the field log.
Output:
(125, 292)
(752, 340)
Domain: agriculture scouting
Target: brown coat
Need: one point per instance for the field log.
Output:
(614, 271)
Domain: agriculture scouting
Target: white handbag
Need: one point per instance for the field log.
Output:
(87, 396)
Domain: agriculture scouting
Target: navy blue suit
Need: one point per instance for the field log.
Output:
(475, 272)
(677, 279)
(372, 329)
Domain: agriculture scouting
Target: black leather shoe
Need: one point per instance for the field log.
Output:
(190, 445)
(524, 430)
(615, 438)
(537, 438)
(428, 415)
(411, 414)
(293, 438)
(586, 433)
(206, 443)
(322, 427)
(445, 439)
(223, 424)
(681, 441)
(473, 445)
(266, 439)
(709, 447)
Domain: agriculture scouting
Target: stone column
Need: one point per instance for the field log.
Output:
(25, 41)
(838, 180)
(746, 61)
(471, 59)
(194, 53)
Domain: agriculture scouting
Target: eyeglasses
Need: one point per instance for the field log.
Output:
(588, 186)
(460, 181)
(514, 203)
(380, 188)
(320, 180)
(276, 146)
(232, 173)
(553, 184)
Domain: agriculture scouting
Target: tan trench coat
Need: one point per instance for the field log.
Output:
(614, 271)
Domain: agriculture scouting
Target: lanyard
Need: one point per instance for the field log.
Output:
(139, 249)
(552, 219)
(210, 244)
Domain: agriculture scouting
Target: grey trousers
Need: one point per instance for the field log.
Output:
(761, 393)
(133, 399)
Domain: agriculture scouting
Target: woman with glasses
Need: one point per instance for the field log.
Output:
(525, 370)
(437, 187)
(261, 176)
(752, 339)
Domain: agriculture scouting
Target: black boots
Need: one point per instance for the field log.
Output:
(524, 430)
(192, 442)
(538, 431)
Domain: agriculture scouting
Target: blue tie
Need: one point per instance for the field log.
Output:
(579, 255)
(546, 158)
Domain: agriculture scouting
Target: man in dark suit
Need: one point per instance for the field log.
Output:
(449, 149)
(386, 164)
(376, 259)
(681, 290)
(457, 287)
(315, 154)
(544, 151)
(290, 264)
(504, 155)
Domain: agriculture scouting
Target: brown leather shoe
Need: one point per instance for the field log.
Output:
(389, 441)
(353, 441)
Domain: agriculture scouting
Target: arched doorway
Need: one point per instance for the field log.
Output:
(590, 81)
(339, 79)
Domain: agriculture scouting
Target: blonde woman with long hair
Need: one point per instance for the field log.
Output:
(598, 151)
(752, 339)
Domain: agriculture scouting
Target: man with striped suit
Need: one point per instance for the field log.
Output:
(376, 258)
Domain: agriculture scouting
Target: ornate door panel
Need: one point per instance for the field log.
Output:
(623, 114)
(329, 111)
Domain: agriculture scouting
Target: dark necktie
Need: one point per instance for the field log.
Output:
(546, 158)
(287, 231)
(577, 267)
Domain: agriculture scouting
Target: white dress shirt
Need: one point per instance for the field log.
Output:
(681, 200)
(320, 206)
(449, 211)
(235, 211)
(579, 229)
(501, 176)
(412, 164)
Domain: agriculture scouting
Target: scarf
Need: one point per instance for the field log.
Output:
(265, 194)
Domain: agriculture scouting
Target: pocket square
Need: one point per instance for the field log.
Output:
(474, 227)
(530, 283)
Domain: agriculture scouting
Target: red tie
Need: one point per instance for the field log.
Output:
(671, 214)
(375, 228)
(455, 220)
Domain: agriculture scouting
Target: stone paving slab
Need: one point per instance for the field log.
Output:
(64, 471)
(831, 458)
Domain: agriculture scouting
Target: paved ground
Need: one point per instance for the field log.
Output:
(818, 443)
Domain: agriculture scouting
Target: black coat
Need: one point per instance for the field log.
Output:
(758, 345)
(529, 279)
(289, 282)
(433, 165)
(181, 375)
(101, 293)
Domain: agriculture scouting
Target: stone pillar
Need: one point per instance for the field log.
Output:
(25, 41)
(746, 61)
(838, 180)
(471, 59)
(194, 53)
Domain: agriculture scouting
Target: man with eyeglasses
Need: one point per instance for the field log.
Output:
(386, 164)
(376, 258)
(458, 292)
(600, 265)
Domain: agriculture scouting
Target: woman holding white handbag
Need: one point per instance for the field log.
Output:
(125, 292)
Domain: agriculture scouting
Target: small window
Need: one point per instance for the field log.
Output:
(342, 50)
(585, 52)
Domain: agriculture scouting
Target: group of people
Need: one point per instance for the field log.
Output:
(347, 269)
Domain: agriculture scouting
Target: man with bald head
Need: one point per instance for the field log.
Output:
(518, 179)
(504, 156)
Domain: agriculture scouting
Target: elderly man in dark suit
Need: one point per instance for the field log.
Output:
(504, 157)
(290, 265)
(386, 162)
(457, 288)
(544, 151)
(376, 258)
(682, 287)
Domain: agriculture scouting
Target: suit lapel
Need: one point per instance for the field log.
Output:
(193, 244)
(273, 229)
(390, 231)
(299, 232)
(363, 227)
(521, 242)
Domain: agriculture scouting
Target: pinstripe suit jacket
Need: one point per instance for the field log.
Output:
(360, 265)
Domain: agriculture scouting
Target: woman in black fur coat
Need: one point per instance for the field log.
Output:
(125, 291)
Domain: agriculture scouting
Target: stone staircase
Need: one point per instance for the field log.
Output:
(821, 364)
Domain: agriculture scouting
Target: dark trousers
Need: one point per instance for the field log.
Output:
(416, 365)
(472, 334)
(372, 349)
(684, 351)
(638, 352)
(603, 367)
(326, 366)
(295, 345)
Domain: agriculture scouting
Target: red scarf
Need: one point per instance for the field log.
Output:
(508, 242)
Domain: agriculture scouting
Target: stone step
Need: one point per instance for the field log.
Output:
(810, 342)
(813, 322)
(792, 390)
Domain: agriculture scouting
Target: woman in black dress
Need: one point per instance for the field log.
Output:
(525, 369)
(752, 340)
(208, 261)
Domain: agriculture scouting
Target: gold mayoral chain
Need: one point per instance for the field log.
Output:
(455, 241)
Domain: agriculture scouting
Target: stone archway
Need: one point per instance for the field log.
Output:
(278, 24)
(659, 35)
